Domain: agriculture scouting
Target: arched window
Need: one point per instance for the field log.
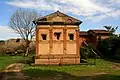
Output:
(44, 36)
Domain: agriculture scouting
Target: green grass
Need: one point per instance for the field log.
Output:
(103, 70)
(6, 60)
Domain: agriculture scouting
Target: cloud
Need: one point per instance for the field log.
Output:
(113, 14)
(90, 9)
(6, 33)
(38, 4)
(115, 1)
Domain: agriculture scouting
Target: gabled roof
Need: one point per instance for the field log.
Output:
(94, 31)
(59, 17)
(83, 33)
(99, 31)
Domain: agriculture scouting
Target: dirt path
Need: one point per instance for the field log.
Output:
(12, 72)
(16, 67)
(116, 66)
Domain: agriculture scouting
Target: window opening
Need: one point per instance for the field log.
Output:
(71, 36)
(44, 36)
(57, 35)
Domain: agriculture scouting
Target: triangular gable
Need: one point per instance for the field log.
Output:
(58, 17)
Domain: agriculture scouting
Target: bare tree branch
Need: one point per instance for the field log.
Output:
(21, 22)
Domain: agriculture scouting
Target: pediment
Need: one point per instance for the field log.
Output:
(58, 17)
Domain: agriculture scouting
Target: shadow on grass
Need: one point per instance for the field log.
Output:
(114, 59)
(37, 74)
(55, 75)
(49, 74)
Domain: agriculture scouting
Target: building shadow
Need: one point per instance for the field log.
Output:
(38, 74)
(114, 59)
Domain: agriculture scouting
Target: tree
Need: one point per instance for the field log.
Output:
(111, 29)
(21, 23)
(109, 46)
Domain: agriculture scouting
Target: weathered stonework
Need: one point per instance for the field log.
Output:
(62, 39)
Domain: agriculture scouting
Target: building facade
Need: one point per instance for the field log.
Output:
(57, 39)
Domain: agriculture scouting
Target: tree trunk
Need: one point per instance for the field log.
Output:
(27, 47)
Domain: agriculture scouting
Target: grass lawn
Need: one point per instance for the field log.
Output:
(103, 70)
(6, 60)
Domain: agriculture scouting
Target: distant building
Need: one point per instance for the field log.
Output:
(93, 36)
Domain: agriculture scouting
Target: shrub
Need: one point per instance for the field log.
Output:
(15, 47)
(109, 47)
(84, 51)
(87, 51)
(32, 48)
(117, 53)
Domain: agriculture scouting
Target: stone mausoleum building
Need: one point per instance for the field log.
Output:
(57, 39)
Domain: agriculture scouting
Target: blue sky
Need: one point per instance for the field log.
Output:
(94, 13)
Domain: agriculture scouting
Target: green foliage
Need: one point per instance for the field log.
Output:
(84, 51)
(108, 47)
(111, 28)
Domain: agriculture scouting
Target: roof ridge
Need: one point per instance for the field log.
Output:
(98, 29)
(58, 12)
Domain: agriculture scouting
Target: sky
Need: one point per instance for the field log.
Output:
(93, 13)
